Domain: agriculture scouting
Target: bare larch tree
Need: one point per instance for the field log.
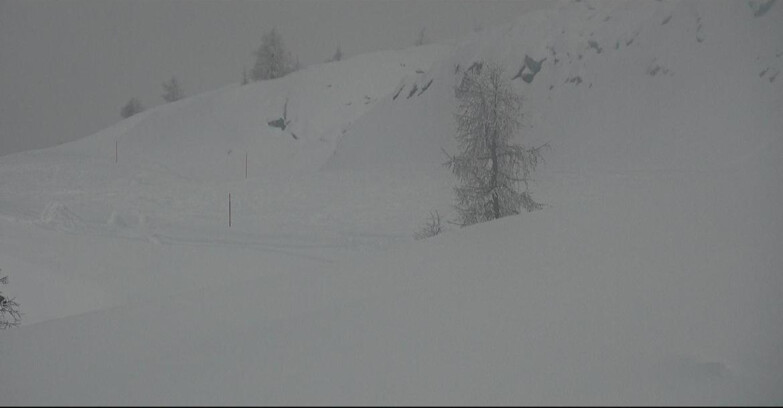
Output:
(490, 167)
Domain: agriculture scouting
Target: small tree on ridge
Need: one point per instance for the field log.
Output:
(272, 58)
(173, 90)
(338, 55)
(131, 108)
(421, 39)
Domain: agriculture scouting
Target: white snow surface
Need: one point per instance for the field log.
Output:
(653, 276)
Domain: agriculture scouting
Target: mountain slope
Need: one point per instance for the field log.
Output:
(196, 137)
(613, 86)
(79, 231)
(653, 276)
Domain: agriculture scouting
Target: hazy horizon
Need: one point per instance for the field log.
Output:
(67, 67)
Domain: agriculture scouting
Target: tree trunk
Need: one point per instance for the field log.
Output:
(493, 146)
(494, 180)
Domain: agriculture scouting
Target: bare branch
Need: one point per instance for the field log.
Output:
(9, 309)
(431, 228)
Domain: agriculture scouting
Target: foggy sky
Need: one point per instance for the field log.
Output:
(68, 66)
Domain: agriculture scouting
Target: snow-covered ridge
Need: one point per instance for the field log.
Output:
(613, 86)
(222, 135)
(206, 137)
(153, 179)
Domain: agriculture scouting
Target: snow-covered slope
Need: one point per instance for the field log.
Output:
(653, 276)
(82, 232)
(637, 290)
(614, 86)
(206, 137)
(213, 137)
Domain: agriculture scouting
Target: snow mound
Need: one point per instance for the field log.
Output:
(116, 220)
(620, 295)
(57, 214)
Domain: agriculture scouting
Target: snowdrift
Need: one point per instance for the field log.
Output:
(667, 295)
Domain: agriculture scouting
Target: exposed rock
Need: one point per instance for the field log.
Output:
(426, 87)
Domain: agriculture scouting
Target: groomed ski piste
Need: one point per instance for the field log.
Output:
(654, 275)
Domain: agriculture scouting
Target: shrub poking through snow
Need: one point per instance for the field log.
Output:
(431, 228)
(9, 309)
